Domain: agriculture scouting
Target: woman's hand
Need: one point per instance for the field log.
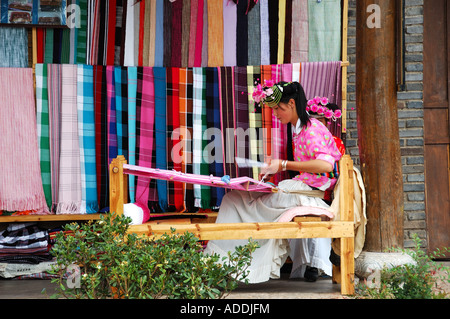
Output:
(273, 167)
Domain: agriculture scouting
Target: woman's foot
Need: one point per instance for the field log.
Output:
(311, 274)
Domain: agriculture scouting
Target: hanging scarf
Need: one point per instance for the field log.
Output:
(101, 136)
(159, 74)
(54, 110)
(226, 86)
(254, 35)
(159, 34)
(273, 30)
(229, 33)
(199, 34)
(121, 92)
(265, 34)
(69, 196)
(173, 124)
(111, 113)
(323, 79)
(186, 119)
(281, 30)
(324, 38)
(43, 130)
(242, 34)
(278, 129)
(185, 31)
(111, 38)
(176, 33)
(81, 33)
(20, 182)
(214, 149)
(132, 91)
(266, 74)
(255, 118)
(86, 133)
(146, 135)
(202, 193)
(215, 33)
(242, 117)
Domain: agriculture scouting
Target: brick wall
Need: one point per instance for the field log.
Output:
(410, 113)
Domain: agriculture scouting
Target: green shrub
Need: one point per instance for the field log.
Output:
(115, 264)
(411, 281)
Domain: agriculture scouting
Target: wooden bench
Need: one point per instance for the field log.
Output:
(303, 227)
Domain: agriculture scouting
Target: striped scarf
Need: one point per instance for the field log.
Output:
(69, 196)
(86, 133)
(255, 118)
(43, 130)
(159, 74)
(202, 193)
(186, 118)
(132, 93)
(20, 181)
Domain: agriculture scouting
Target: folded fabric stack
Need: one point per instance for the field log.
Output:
(24, 250)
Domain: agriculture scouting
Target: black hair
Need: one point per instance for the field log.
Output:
(294, 90)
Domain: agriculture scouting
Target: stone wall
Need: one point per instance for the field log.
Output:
(410, 113)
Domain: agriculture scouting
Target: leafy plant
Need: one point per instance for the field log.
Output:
(115, 264)
(421, 280)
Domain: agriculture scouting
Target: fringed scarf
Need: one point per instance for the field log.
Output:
(43, 130)
(202, 193)
(69, 196)
(159, 74)
(86, 133)
(20, 182)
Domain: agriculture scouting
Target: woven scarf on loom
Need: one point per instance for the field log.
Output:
(101, 136)
(43, 130)
(173, 124)
(214, 148)
(186, 109)
(132, 92)
(159, 75)
(144, 193)
(69, 195)
(202, 193)
(20, 181)
(255, 118)
(86, 133)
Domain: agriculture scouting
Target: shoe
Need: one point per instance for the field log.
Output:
(335, 258)
(311, 274)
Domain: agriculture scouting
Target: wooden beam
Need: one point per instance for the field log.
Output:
(251, 230)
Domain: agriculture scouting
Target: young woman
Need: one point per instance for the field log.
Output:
(312, 153)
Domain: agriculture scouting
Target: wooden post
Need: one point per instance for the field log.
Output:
(378, 134)
(117, 185)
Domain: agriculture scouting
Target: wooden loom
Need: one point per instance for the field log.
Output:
(300, 227)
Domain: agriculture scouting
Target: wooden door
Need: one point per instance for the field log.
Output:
(436, 121)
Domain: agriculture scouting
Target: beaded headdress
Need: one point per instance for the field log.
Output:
(269, 94)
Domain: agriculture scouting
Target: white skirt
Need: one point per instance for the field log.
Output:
(252, 207)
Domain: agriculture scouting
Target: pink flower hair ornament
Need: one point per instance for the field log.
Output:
(320, 107)
(270, 93)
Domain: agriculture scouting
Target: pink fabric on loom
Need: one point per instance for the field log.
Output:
(20, 181)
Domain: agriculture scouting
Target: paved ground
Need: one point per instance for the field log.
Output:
(273, 289)
(283, 288)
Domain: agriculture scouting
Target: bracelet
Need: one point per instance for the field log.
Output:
(283, 165)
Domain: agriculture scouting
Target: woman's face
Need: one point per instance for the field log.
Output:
(286, 112)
